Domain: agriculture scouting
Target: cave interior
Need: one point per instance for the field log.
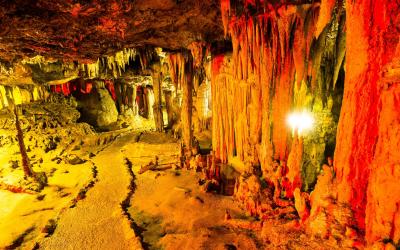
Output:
(187, 124)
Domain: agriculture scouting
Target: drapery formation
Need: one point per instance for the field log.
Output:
(181, 70)
(278, 65)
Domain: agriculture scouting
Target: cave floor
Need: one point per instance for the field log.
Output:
(97, 221)
(171, 207)
(168, 208)
(165, 209)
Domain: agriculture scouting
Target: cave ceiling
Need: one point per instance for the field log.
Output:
(83, 31)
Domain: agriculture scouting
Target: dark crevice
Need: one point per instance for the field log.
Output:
(126, 204)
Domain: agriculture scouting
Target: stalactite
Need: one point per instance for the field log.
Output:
(217, 63)
(177, 68)
(325, 14)
(274, 52)
(258, 76)
(299, 49)
(225, 9)
(182, 73)
(148, 55)
(92, 70)
(21, 94)
(116, 63)
(201, 118)
(197, 50)
(172, 62)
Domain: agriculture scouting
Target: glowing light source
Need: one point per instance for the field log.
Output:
(300, 121)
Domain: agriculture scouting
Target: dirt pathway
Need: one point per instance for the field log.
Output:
(97, 222)
(171, 208)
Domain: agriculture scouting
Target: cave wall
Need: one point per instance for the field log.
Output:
(282, 61)
(368, 139)
(21, 94)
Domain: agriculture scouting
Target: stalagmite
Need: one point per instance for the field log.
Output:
(295, 161)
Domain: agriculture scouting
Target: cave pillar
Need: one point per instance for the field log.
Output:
(157, 108)
(168, 104)
(367, 161)
(186, 116)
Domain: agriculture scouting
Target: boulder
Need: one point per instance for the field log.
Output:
(98, 108)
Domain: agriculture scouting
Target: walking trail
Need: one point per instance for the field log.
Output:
(97, 222)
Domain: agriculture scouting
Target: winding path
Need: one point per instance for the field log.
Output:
(97, 222)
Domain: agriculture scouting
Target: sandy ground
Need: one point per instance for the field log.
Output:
(169, 208)
(97, 222)
(172, 209)
(24, 215)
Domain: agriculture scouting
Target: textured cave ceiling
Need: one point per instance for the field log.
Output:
(85, 30)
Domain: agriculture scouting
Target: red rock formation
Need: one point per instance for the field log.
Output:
(366, 157)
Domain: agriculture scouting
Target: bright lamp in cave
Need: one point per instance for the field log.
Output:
(300, 121)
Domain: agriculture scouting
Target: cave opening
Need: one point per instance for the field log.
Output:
(215, 124)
